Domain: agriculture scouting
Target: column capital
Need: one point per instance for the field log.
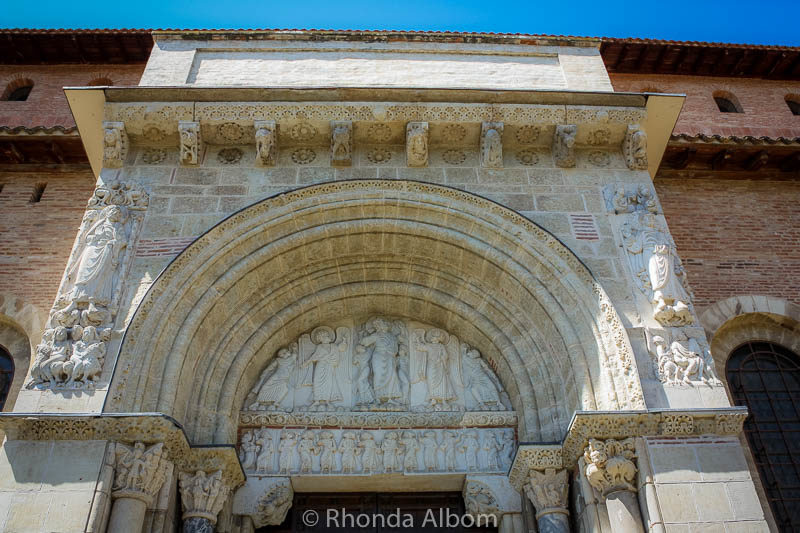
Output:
(610, 465)
(139, 471)
(203, 495)
(548, 491)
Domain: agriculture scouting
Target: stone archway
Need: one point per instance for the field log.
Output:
(258, 280)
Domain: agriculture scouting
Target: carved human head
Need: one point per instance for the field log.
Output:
(283, 353)
(60, 333)
(366, 436)
(381, 324)
(322, 335)
(308, 434)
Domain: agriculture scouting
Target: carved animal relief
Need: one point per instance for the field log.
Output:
(73, 346)
(564, 145)
(610, 465)
(190, 143)
(266, 142)
(634, 148)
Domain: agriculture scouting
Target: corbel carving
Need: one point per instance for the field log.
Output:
(115, 144)
(417, 144)
(266, 142)
(191, 143)
(492, 145)
(341, 143)
(564, 145)
(634, 148)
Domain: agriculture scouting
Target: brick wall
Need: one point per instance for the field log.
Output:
(36, 238)
(763, 102)
(46, 104)
(735, 236)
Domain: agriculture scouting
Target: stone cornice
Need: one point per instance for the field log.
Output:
(374, 420)
(149, 428)
(725, 421)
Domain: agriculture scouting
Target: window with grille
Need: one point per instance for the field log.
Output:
(766, 378)
(6, 375)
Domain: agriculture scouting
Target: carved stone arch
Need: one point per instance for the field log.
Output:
(21, 325)
(215, 317)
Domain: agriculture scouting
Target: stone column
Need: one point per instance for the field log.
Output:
(548, 491)
(611, 471)
(203, 497)
(139, 474)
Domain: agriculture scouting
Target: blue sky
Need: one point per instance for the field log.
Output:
(754, 21)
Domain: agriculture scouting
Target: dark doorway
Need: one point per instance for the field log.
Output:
(426, 512)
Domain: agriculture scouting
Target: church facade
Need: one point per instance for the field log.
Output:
(327, 275)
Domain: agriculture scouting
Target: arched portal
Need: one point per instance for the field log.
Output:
(258, 280)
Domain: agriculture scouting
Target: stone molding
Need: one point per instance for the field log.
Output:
(588, 425)
(375, 420)
(146, 428)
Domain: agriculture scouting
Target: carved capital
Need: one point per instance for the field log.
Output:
(266, 142)
(115, 144)
(548, 491)
(417, 144)
(610, 465)
(634, 147)
(564, 145)
(492, 145)
(191, 143)
(202, 495)
(341, 143)
(139, 471)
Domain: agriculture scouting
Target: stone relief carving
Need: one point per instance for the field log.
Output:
(341, 143)
(266, 142)
(492, 144)
(202, 495)
(354, 451)
(479, 499)
(190, 142)
(657, 269)
(564, 145)
(610, 466)
(630, 198)
(73, 346)
(139, 471)
(115, 144)
(634, 148)
(274, 504)
(548, 490)
(383, 365)
(417, 144)
(681, 356)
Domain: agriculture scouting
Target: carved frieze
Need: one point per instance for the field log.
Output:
(190, 142)
(139, 471)
(630, 198)
(382, 364)
(380, 419)
(417, 144)
(634, 147)
(341, 143)
(610, 465)
(266, 142)
(73, 346)
(202, 495)
(288, 451)
(564, 145)
(115, 144)
(492, 145)
(681, 356)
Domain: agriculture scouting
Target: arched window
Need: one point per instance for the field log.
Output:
(6, 375)
(766, 378)
(18, 90)
(727, 102)
(793, 101)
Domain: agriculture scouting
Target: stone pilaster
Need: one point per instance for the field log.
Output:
(139, 474)
(203, 497)
(611, 471)
(548, 491)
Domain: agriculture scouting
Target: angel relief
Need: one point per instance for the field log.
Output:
(381, 364)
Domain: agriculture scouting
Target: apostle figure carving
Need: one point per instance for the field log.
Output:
(434, 368)
(307, 449)
(286, 461)
(492, 448)
(657, 268)
(248, 451)
(410, 446)
(479, 381)
(327, 452)
(273, 384)
(385, 347)
(391, 452)
(348, 447)
(430, 450)
(369, 453)
(326, 358)
(469, 447)
(263, 441)
(448, 446)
